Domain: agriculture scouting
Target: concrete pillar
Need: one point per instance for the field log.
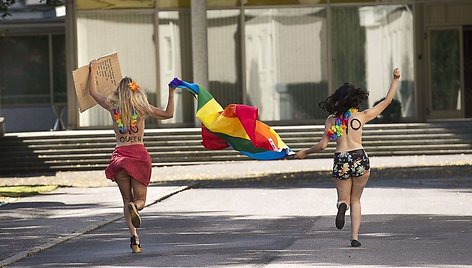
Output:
(199, 44)
(71, 61)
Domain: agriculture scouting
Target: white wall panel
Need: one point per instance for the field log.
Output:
(129, 34)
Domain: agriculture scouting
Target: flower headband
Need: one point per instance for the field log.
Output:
(133, 86)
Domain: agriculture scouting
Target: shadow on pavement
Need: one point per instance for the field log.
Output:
(327, 181)
(28, 224)
(187, 239)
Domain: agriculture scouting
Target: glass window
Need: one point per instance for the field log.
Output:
(350, 1)
(367, 44)
(175, 60)
(280, 2)
(286, 56)
(38, 11)
(224, 56)
(163, 4)
(348, 47)
(114, 4)
(59, 69)
(445, 70)
(24, 70)
(223, 3)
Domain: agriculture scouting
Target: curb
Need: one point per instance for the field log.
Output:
(62, 239)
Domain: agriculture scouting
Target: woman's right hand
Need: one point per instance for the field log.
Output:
(396, 73)
(93, 67)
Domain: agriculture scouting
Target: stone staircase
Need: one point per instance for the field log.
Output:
(25, 154)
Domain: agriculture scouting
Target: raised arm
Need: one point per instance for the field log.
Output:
(101, 99)
(169, 111)
(373, 112)
(321, 145)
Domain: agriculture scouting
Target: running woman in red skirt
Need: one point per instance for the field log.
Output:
(130, 164)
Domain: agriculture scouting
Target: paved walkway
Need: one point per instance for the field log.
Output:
(32, 224)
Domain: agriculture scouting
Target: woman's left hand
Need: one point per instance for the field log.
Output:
(301, 154)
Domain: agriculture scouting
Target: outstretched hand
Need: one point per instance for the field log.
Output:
(174, 83)
(396, 73)
(301, 154)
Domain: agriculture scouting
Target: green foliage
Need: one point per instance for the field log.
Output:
(22, 191)
(5, 6)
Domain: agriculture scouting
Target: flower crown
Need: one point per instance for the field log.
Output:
(133, 86)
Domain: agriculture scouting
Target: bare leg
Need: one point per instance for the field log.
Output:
(358, 185)
(139, 193)
(343, 188)
(124, 184)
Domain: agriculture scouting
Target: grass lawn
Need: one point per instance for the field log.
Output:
(22, 191)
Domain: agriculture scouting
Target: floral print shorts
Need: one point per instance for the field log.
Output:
(353, 163)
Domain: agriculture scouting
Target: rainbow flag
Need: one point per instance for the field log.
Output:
(236, 126)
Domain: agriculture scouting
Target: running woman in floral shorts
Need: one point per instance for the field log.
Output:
(351, 167)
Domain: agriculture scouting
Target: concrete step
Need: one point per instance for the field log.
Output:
(181, 141)
(197, 146)
(54, 166)
(90, 150)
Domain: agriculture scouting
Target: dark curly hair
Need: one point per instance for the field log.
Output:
(345, 97)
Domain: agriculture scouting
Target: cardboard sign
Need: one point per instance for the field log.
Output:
(108, 76)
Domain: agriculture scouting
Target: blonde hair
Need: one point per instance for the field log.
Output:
(127, 100)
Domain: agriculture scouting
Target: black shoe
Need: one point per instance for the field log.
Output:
(355, 243)
(340, 217)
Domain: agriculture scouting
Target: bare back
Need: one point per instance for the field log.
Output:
(352, 136)
(134, 135)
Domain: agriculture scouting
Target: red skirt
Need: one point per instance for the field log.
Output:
(134, 159)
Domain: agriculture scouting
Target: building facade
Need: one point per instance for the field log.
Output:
(282, 56)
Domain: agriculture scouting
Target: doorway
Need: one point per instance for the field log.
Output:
(467, 36)
(450, 72)
(445, 72)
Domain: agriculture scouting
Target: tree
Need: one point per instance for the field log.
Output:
(4, 7)
(6, 4)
